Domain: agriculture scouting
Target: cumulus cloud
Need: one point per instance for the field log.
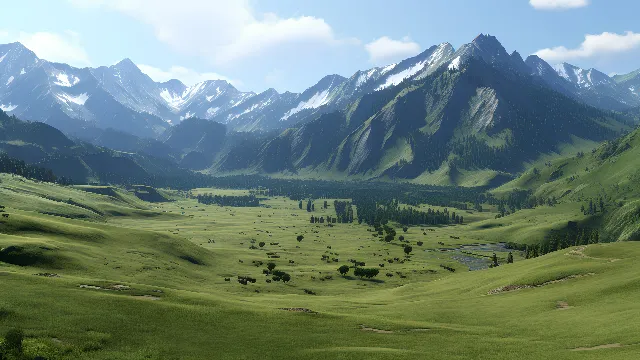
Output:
(558, 4)
(385, 50)
(222, 30)
(64, 47)
(186, 75)
(593, 46)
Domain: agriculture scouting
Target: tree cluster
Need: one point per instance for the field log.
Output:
(224, 200)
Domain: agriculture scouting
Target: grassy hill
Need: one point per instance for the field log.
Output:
(609, 173)
(97, 273)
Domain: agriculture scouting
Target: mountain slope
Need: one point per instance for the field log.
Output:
(477, 113)
(44, 146)
(611, 173)
(65, 97)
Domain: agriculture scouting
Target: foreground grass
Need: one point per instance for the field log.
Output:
(177, 304)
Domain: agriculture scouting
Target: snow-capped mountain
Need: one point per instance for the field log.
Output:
(589, 86)
(582, 77)
(124, 98)
(63, 96)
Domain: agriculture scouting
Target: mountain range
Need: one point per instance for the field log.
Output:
(444, 116)
(124, 98)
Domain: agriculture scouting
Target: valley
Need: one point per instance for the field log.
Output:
(162, 279)
(460, 203)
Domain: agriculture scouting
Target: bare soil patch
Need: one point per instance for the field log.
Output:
(304, 310)
(563, 305)
(378, 331)
(606, 346)
(525, 286)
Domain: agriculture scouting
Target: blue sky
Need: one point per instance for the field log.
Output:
(291, 44)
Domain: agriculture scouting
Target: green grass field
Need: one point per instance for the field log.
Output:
(97, 273)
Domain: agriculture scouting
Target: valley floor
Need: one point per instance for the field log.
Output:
(96, 273)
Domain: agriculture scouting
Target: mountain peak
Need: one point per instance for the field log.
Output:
(18, 49)
(126, 64)
(489, 44)
(270, 91)
(176, 86)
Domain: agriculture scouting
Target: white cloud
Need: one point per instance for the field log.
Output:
(593, 46)
(558, 4)
(65, 47)
(386, 50)
(187, 76)
(223, 31)
(4, 34)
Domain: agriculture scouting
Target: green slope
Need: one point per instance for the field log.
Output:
(144, 283)
(610, 172)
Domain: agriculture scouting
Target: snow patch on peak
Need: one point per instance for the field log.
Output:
(7, 108)
(22, 72)
(2, 57)
(10, 80)
(66, 80)
(455, 64)
(434, 59)
(211, 97)
(387, 68)
(364, 77)
(188, 115)
(172, 99)
(317, 100)
(78, 100)
(396, 79)
(212, 111)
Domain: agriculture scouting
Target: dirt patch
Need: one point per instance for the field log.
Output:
(116, 287)
(91, 287)
(579, 252)
(519, 287)
(563, 305)
(146, 297)
(47, 275)
(607, 346)
(304, 310)
(378, 331)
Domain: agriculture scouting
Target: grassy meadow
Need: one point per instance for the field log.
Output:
(97, 273)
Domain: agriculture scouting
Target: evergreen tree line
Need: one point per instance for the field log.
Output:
(473, 153)
(373, 213)
(224, 200)
(344, 211)
(559, 240)
(411, 194)
(18, 167)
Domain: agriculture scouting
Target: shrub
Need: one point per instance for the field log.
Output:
(344, 269)
(13, 341)
(366, 272)
(261, 244)
(299, 238)
(408, 250)
(271, 266)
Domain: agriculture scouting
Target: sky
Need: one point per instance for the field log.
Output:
(289, 45)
